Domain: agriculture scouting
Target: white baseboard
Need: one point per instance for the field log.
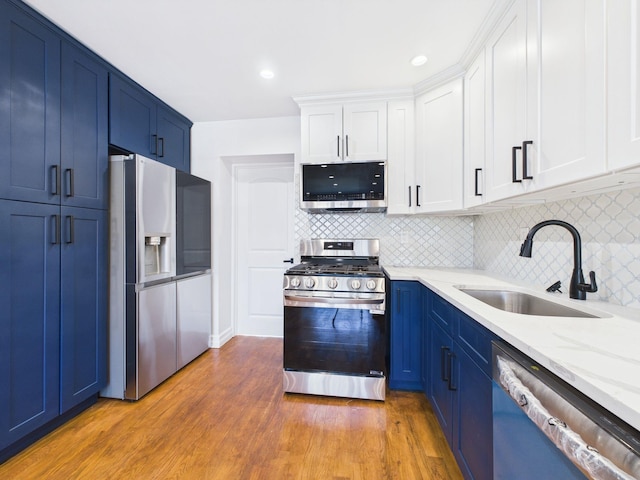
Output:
(216, 341)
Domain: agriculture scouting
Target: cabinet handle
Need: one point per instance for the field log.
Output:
(525, 175)
(514, 177)
(409, 195)
(444, 374)
(477, 194)
(418, 196)
(338, 146)
(72, 229)
(346, 148)
(70, 182)
(154, 144)
(55, 180)
(56, 229)
(161, 150)
(452, 357)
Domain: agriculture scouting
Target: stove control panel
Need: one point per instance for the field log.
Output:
(329, 283)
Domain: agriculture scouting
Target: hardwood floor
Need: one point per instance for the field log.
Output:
(225, 416)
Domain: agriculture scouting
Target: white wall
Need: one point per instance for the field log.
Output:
(215, 146)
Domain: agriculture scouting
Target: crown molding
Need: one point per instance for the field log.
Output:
(353, 97)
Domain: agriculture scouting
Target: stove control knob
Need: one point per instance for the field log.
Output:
(332, 283)
(355, 284)
(371, 284)
(309, 282)
(295, 282)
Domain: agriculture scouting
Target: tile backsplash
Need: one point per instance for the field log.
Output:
(404, 241)
(609, 225)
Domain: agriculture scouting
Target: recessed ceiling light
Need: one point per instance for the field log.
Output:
(266, 74)
(418, 60)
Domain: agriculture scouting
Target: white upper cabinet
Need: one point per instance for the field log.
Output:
(350, 132)
(506, 105)
(566, 110)
(439, 140)
(474, 132)
(623, 97)
(546, 119)
(321, 134)
(401, 163)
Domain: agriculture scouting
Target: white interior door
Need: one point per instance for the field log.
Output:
(264, 240)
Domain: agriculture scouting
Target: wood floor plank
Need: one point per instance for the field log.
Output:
(225, 416)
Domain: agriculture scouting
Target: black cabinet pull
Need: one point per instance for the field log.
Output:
(71, 238)
(288, 261)
(346, 148)
(514, 176)
(338, 146)
(56, 230)
(477, 194)
(55, 180)
(409, 195)
(444, 374)
(418, 196)
(70, 182)
(452, 358)
(154, 144)
(161, 147)
(525, 175)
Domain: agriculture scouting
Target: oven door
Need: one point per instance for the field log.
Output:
(333, 339)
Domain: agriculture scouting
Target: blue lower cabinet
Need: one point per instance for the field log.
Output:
(29, 318)
(406, 336)
(53, 318)
(457, 359)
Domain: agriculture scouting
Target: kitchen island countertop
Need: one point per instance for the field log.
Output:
(598, 356)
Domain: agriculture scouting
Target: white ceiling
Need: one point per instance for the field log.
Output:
(203, 57)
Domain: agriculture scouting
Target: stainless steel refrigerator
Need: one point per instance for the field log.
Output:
(142, 316)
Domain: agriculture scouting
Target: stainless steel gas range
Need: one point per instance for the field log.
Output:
(335, 325)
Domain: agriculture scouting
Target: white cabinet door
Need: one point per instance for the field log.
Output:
(439, 142)
(474, 132)
(365, 131)
(623, 96)
(566, 110)
(321, 140)
(353, 132)
(507, 99)
(401, 173)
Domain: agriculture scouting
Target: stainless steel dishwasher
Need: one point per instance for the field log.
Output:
(545, 429)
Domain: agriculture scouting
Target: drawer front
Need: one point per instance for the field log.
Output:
(476, 341)
(443, 313)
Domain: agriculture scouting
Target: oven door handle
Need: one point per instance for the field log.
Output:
(292, 299)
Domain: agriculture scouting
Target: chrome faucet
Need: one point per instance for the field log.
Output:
(577, 288)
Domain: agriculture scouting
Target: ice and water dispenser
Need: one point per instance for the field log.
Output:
(156, 221)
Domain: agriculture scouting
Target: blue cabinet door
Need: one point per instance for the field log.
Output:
(29, 108)
(84, 130)
(473, 426)
(174, 137)
(132, 118)
(84, 305)
(406, 336)
(442, 368)
(29, 317)
(140, 123)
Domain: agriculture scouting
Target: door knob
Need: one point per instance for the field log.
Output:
(288, 261)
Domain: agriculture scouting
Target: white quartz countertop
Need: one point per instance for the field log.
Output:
(598, 356)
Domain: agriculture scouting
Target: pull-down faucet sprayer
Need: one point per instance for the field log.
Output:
(577, 288)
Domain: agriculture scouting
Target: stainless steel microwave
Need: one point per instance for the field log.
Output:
(343, 187)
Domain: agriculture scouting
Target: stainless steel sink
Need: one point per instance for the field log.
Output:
(523, 303)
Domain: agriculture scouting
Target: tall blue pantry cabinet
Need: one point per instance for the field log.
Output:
(53, 227)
